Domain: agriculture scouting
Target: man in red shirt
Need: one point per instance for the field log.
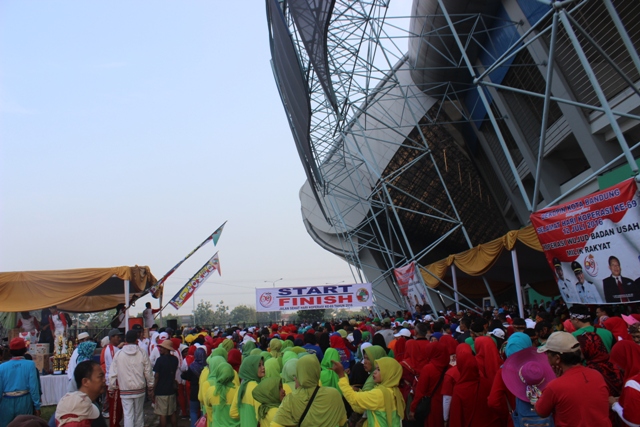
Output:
(579, 397)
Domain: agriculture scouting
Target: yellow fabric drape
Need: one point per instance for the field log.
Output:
(478, 260)
(77, 290)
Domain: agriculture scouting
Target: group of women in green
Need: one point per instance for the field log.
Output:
(287, 387)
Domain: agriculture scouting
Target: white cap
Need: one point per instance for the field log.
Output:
(531, 324)
(498, 333)
(83, 335)
(428, 318)
(74, 407)
(404, 332)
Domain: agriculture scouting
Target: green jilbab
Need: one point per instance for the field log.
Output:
(223, 383)
(298, 350)
(288, 355)
(288, 374)
(213, 364)
(265, 355)
(227, 344)
(272, 368)
(268, 394)
(327, 409)
(255, 352)
(328, 378)
(275, 347)
(248, 347)
(372, 353)
(248, 372)
(286, 344)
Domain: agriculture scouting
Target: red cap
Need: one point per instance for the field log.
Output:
(17, 344)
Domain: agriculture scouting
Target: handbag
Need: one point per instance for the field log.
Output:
(424, 406)
(202, 421)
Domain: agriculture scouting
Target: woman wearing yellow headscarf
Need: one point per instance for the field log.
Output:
(384, 404)
(326, 410)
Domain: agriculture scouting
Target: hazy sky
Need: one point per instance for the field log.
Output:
(129, 131)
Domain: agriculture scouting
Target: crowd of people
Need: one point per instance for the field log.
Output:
(557, 366)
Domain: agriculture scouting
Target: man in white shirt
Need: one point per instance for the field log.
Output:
(147, 315)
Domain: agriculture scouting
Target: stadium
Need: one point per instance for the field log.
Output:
(427, 133)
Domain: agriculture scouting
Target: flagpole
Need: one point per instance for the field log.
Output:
(160, 282)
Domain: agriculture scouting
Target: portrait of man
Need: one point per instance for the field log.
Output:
(567, 289)
(618, 288)
(586, 290)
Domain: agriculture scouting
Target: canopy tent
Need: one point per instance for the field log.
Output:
(80, 290)
(494, 261)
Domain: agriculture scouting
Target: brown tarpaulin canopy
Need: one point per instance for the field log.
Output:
(493, 261)
(81, 290)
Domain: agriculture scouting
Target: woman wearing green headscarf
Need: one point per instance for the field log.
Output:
(213, 363)
(255, 352)
(265, 355)
(269, 393)
(384, 404)
(247, 347)
(288, 355)
(275, 348)
(220, 396)
(288, 375)
(371, 354)
(244, 406)
(272, 368)
(286, 344)
(218, 351)
(326, 410)
(328, 378)
(227, 344)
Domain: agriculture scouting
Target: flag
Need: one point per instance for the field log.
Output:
(195, 282)
(157, 289)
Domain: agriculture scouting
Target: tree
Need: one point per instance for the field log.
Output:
(221, 314)
(310, 315)
(203, 314)
(243, 314)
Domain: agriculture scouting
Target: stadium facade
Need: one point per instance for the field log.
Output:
(421, 133)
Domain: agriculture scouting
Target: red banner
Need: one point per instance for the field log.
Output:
(410, 286)
(588, 243)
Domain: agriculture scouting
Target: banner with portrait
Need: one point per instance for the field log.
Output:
(314, 297)
(592, 244)
(411, 288)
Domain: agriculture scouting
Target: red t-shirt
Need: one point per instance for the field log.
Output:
(579, 398)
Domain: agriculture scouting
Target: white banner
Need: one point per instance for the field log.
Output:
(314, 297)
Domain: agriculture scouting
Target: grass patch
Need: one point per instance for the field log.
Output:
(47, 411)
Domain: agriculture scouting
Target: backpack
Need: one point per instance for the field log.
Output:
(524, 415)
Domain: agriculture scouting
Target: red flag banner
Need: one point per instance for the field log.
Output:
(410, 286)
(592, 244)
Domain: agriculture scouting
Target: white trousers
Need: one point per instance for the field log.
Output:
(133, 409)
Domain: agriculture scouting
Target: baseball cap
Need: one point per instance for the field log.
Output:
(137, 327)
(404, 332)
(75, 406)
(114, 332)
(560, 342)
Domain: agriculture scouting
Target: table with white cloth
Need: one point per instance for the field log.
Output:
(53, 388)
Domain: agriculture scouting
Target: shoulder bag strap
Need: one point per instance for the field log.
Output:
(439, 382)
(304, 414)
